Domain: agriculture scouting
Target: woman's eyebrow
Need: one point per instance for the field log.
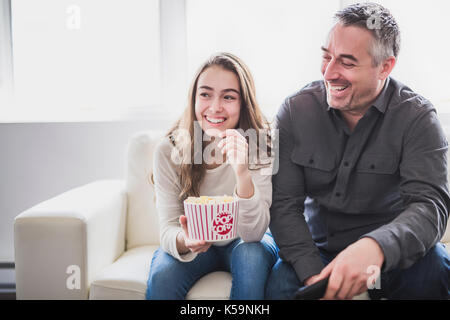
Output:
(225, 90)
(233, 90)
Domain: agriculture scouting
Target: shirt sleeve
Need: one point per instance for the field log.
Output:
(168, 204)
(287, 222)
(254, 214)
(424, 190)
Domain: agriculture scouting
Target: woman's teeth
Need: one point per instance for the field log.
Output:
(215, 120)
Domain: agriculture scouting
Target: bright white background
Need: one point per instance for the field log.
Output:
(77, 60)
(279, 40)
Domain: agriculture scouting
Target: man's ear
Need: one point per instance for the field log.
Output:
(386, 67)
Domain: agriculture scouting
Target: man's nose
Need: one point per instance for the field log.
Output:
(331, 71)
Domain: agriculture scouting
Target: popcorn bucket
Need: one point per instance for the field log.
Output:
(211, 219)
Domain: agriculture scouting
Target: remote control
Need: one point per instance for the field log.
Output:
(312, 292)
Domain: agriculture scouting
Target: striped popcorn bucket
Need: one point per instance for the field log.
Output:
(212, 222)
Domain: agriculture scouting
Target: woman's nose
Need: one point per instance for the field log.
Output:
(216, 105)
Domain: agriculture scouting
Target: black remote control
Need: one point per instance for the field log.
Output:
(312, 292)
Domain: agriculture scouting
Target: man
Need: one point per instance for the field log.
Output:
(362, 180)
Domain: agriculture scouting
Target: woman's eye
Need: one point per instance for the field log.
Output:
(328, 58)
(229, 98)
(204, 94)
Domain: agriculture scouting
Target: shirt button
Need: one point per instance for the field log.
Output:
(311, 161)
(346, 164)
(372, 166)
(338, 194)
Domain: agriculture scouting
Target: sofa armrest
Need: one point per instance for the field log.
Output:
(62, 243)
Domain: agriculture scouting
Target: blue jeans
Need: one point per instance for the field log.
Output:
(428, 278)
(249, 263)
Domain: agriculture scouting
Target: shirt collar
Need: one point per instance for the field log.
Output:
(381, 101)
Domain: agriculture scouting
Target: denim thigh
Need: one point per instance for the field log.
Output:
(171, 279)
(428, 278)
(250, 264)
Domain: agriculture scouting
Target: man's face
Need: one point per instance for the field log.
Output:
(352, 82)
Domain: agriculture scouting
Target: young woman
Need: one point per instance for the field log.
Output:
(221, 107)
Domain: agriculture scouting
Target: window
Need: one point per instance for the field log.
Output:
(85, 59)
(6, 74)
(117, 59)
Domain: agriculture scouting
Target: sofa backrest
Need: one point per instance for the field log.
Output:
(142, 219)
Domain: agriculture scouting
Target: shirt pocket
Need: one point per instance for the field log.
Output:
(319, 169)
(376, 180)
(377, 164)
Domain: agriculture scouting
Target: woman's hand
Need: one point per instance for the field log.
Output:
(235, 147)
(186, 244)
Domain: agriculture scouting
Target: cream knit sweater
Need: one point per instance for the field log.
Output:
(253, 212)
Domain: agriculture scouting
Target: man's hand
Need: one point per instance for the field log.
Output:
(349, 271)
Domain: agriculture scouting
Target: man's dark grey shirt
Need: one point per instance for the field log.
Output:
(386, 180)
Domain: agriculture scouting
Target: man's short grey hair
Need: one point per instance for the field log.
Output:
(378, 20)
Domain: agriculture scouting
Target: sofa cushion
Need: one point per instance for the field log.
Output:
(127, 278)
(142, 219)
(446, 237)
(213, 286)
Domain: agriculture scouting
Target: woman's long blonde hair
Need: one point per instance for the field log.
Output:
(191, 174)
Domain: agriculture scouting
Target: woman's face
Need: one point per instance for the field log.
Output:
(218, 99)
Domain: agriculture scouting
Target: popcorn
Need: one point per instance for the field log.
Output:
(212, 218)
(210, 200)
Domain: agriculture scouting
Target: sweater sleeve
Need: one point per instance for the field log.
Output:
(254, 214)
(168, 204)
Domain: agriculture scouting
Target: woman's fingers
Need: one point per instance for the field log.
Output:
(183, 223)
(236, 151)
(232, 141)
(196, 246)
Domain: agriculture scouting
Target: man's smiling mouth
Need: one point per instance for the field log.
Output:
(338, 88)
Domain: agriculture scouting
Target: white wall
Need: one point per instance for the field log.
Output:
(40, 160)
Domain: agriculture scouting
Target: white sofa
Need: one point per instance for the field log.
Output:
(97, 241)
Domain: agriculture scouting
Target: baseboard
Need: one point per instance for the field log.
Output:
(7, 281)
